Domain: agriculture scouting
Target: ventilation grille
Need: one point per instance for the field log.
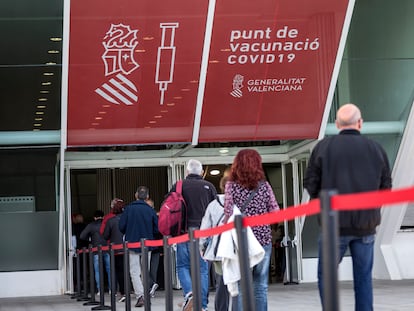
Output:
(17, 204)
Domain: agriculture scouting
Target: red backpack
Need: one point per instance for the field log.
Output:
(173, 213)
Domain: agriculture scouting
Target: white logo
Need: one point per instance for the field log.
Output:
(120, 43)
(237, 86)
(165, 58)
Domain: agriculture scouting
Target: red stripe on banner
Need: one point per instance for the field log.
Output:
(369, 200)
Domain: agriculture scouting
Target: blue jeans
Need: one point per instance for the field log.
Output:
(184, 272)
(260, 282)
(105, 257)
(362, 253)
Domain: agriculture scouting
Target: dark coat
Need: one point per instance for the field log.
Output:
(349, 163)
(91, 233)
(197, 193)
(138, 221)
(111, 230)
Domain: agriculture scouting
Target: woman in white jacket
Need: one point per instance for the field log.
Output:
(208, 246)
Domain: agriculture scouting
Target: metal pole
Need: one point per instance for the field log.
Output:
(113, 277)
(92, 301)
(195, 270)
(246, 279)
(168, 275)
(145, 275)
(126, 278)
(84, 296)
(101, 283)
(78, 276)
(329, 221)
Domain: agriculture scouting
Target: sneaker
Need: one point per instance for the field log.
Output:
(154, 287)
(140, 302)
(188, 303)
(122, 299)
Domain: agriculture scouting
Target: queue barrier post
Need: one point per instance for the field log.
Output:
(78, 292)
(246, 278)
(329, 244)
(102, 305)
(126, 278)
(92, 301)
(145, 275)
(287, 243)
(168, 275)
(84, 296)
(195, 270)
(113, 277)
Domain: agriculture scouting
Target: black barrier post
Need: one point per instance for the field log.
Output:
(195, 270)
(78, 276)
(246, 278)
(113, 277)
(288, 249)
(92, 301)
(84, 297)
(329, 221)
(126, 278)
(101, 283)
(168, 275)
(145, 275)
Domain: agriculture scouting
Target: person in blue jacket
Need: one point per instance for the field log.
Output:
(138, 221)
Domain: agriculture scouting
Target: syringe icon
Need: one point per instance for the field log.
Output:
(165, 58)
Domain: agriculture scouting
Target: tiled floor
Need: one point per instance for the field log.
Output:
(389, 296)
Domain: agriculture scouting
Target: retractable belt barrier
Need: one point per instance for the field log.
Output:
(328, 204)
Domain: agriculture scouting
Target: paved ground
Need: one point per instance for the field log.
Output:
(389, 295)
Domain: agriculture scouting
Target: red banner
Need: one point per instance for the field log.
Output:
(273, 63)
(135, 69)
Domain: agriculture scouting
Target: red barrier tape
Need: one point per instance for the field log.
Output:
(368, 200)
(311, 208)
(343, 202)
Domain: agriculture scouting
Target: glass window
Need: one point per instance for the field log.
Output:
(28, 214)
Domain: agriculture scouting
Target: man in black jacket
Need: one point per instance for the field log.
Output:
(197, 193)
(91, 233)
(350, 163)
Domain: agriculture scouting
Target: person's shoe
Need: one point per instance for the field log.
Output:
(122, 299)
(188, 302)
(154, 287)
(140, 302)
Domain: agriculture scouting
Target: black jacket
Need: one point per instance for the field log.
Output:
(91, 233)
(197, 193)
(112, 232)
(349, 163)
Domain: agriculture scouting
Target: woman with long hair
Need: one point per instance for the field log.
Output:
(246, 176)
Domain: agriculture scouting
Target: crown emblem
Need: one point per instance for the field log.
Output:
(120, 36)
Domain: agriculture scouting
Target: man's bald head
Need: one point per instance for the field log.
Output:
(348, 117)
